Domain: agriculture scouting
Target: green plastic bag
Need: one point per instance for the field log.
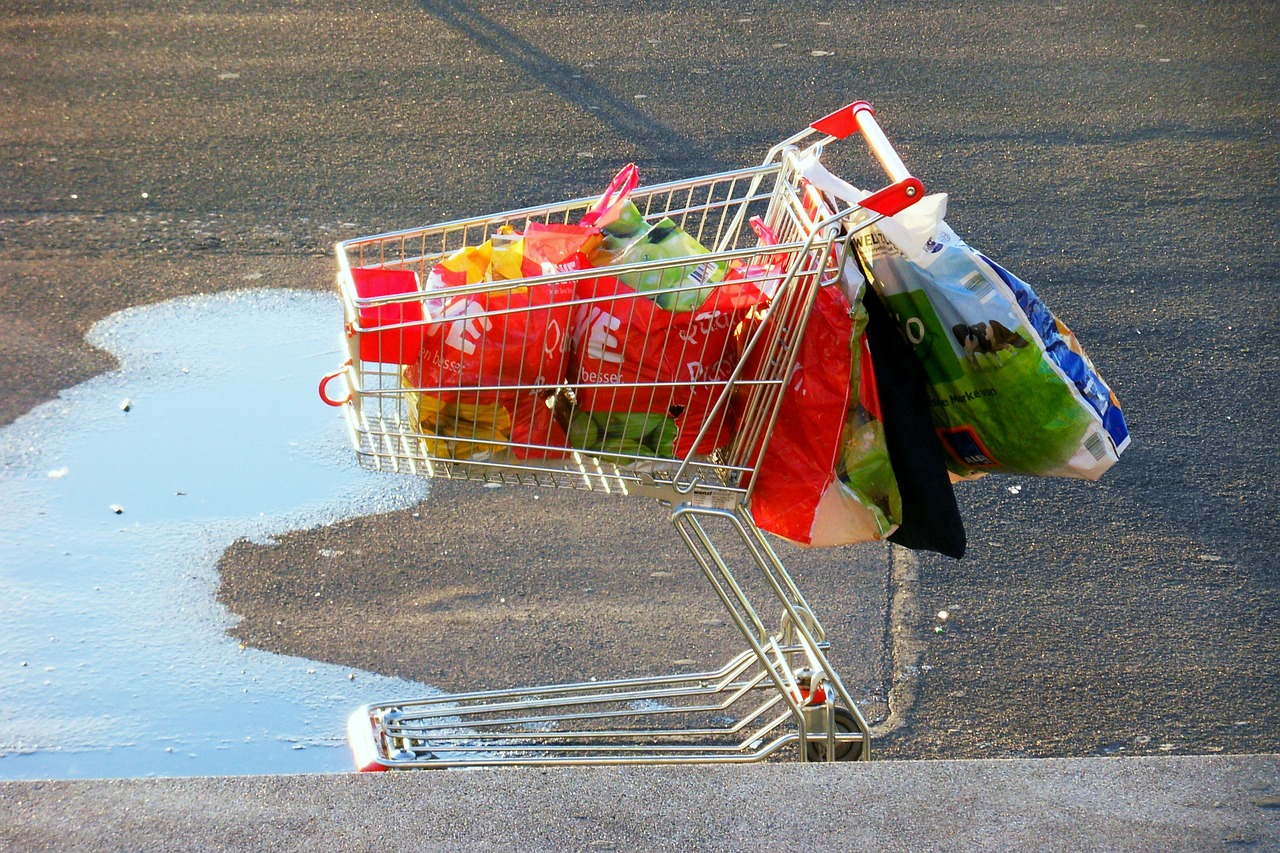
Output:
(1010, 388)
(629, 239)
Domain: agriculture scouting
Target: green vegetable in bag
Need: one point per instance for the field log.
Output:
(622, 433)
(863, 469)
(630, 239)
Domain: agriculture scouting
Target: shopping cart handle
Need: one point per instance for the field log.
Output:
(895, 197)
(859, 116)
(842, 123)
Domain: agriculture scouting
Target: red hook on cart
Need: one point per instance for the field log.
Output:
(329, 377)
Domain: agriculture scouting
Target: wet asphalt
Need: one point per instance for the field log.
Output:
(1121, 158)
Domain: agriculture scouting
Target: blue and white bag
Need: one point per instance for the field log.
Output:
(1011, 390)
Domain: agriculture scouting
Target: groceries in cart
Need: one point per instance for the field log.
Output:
(625, 366)
(652, 348)
(640, 326)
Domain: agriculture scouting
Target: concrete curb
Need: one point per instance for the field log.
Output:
(1146, 803)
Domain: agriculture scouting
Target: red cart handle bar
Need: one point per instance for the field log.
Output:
(859, 116)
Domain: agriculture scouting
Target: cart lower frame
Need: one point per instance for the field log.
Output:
(780, 690)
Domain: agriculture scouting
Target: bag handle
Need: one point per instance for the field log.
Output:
(909, 228)
(622, 185)
(768, 237)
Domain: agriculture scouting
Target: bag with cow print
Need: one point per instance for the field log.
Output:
(493, 356)
(1010, 388)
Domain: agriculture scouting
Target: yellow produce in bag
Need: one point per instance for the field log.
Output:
(451, 429)
(456, 430)
(500, 258)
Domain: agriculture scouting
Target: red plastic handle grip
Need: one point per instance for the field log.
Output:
(843, 123)
(895, 197)
(859, 116)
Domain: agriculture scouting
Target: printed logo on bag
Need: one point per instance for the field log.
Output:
(598, 326)
(704, 324)
(941, 239)
(553, 342)
(445, 366)
(462, 334)
(914, 330)
(875, 245)
(700, 371)
(964, 443)
(549, 268)
(599, 377)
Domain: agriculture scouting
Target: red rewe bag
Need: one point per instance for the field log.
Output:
(491, 359)
(630, 355)
(502, 338)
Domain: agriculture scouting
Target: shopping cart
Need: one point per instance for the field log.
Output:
(514, 382)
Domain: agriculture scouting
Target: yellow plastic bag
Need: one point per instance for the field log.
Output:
(500, 258)
(456, 430)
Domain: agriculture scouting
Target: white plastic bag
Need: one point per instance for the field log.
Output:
(1011, 390)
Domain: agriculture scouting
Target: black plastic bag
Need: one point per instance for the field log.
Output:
(930, 517)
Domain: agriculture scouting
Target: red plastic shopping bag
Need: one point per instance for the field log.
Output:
(862, 502)
(390, 332)
(502, 338)
(630, 355)
(826, 477)
(799, 461)
(491, 358)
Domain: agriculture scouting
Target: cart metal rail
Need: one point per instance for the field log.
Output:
(422, 395)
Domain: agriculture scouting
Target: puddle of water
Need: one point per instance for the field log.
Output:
(114, 656)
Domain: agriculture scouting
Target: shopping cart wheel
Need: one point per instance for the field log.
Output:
(850, 751)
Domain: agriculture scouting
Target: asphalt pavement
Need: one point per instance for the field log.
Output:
(1122, 158)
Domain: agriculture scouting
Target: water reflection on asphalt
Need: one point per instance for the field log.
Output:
(116, 501)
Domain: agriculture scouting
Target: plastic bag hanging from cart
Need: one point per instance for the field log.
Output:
(1010, 388)
(886, 477)
(865, 501)
(825, 478)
